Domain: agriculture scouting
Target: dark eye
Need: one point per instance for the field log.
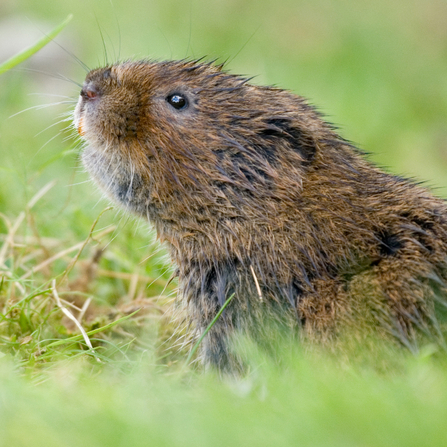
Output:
(177, 101)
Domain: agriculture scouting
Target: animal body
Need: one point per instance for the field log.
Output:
(255, 195)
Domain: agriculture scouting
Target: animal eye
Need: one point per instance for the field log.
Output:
(177, 101)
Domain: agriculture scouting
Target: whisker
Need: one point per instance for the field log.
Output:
(119, 29)
(190, 28)
(82, 64)
(39, 107)
(57, 76)
(49, 141)
(245, 44)
(68, 138)
(51, 94)
(111, 42)
(70, 80)
(50, 126)
(103, 41)
(70, 185)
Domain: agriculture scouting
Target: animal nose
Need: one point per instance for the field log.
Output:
(90, 91)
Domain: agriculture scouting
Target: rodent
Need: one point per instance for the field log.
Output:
(256, 195)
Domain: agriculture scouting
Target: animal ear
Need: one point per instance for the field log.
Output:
(284, 130)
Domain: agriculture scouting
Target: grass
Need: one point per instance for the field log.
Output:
(377, 68)
(28, 52)
(307, 400)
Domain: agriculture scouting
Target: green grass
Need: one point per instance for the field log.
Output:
(308, 400)
(377, 69)
(28, 52)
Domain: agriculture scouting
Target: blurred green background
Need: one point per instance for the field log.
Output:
(377, 69)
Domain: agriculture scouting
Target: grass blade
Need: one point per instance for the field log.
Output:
(28, 52)
(194, 349)
(90, 333)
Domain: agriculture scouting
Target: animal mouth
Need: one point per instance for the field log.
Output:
(80, 126)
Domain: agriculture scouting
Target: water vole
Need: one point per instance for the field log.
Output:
(254, 194)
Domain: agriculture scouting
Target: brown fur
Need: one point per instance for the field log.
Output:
(248, 184)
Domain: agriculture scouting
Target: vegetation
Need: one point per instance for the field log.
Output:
(378, 68)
